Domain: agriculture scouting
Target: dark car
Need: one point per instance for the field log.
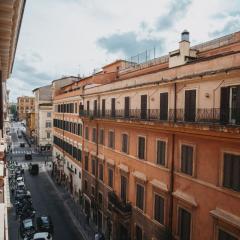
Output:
(27, 228)
(22, 144)
(28, 156)
(33, 169)
(44, 224)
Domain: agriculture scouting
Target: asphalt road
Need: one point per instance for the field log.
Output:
(45, 201)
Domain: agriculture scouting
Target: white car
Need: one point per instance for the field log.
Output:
(20, 179)
(42, 236)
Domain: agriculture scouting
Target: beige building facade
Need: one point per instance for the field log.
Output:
(25, 104)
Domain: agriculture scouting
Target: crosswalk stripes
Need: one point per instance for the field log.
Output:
(23, 152)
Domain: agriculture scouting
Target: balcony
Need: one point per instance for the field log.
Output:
(119, 206)
(207, 116)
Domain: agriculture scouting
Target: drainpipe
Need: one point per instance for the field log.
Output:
(172, 170)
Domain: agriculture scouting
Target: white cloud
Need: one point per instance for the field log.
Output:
(61, 37)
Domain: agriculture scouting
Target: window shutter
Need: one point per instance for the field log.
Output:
(127, 106)
(163, 106)
(238, 106)
(185, 224)
(227, 170)
(236, 172)
(224, 105)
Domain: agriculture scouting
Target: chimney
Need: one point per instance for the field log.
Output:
(184, 44)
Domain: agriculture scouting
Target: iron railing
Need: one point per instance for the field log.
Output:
(199, 115)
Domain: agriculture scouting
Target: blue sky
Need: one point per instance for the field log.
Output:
(71, 37)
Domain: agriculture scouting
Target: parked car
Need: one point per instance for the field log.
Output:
(22, 144)
(42, 236)
(20, 186)
(28, 156)
(27, 228)
(44, 224)
(33, 169)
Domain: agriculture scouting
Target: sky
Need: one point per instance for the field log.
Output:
(77, 37)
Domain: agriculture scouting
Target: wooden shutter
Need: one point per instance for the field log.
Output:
(222, 235)
(235, 173)
(238, 106)
(103, 107)
(184, 224)
(161, 147)
(227, 170)
(95, 108)
(141, 147)
(127, 107)
(143, 106)
(163, 106)
(224, 104)
(113, 109)
(123, 188)
(159, 209)
(190, 106)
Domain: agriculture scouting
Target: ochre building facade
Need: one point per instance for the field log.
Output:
(152, 151)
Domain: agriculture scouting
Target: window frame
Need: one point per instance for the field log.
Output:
(164, 208)
(125, 133)
(221, 169)
(145, 147)
(144, 196)
(193, 160)
(180, 206)
(166, 152)
(111, 130)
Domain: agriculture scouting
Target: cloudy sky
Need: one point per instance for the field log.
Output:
(71, 37)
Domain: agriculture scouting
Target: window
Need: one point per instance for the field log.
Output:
(125, 143)
(86, 133)
(101, 136)
(49, 114)
(190, 106)
(85, 185)
(100, 199)
(103, 107)
(124, 188)
(76, 107)
(140, 197)
(184, 224)
(111, 139)
(86, 163)
(230, 105)
(48, 124)
(110, 177)
(93, 190)
(139, 233)
(101, 172)
(126, 107)
(113, 108)
(88, 107)
(93, 167)
(95, 108)
(94, 135)
(187, 160)
(159, 209)
(161, 150)
(163, 106)
(143, 106)
(141, 147)
(231, 171)
(223, 235)
(48, 135)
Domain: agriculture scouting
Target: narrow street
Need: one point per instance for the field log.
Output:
(44, 196)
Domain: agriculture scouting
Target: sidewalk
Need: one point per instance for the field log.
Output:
(75, 212)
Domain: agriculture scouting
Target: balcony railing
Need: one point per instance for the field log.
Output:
(199, 115)
(118, 205)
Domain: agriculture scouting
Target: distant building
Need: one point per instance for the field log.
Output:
(43, 112)
(25, 104)
(30, 124)
(152, 150)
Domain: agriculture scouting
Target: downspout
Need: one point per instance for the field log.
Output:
(172, 169)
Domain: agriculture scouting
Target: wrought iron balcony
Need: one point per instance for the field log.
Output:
(200, 115)
(119, 206)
